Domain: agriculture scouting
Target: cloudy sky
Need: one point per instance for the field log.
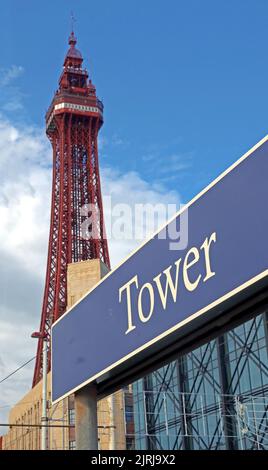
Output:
(184, 86)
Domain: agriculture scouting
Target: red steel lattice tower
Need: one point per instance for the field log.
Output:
(73, 121)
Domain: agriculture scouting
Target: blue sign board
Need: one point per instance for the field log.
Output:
(160, 291)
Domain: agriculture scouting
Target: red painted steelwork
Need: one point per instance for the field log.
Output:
(73, 122)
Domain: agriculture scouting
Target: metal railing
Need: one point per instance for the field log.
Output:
(209, 421)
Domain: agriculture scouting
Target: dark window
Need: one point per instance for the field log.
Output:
(130, 443)
(129, 413)
(72, 445)
(71, 416)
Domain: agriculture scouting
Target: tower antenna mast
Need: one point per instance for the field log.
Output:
(73, 21)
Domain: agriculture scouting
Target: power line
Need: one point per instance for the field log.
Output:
(25, 425)
(19, 368)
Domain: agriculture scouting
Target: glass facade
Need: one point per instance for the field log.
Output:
(214, 397)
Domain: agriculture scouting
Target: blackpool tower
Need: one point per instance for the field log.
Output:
(73, 121)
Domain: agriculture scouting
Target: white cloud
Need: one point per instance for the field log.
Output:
(176, 165)
(131, 189)
(25, 186)
(25, 192)
(14, 103)
(116, 140)
(11, 96)
(9, 74)
(25, 183)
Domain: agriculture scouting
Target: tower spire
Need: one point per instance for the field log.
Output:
(72, 39)
(73, 57)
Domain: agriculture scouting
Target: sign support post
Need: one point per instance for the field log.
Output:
(86, 421)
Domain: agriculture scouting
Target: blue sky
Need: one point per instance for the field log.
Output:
(184, 83)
